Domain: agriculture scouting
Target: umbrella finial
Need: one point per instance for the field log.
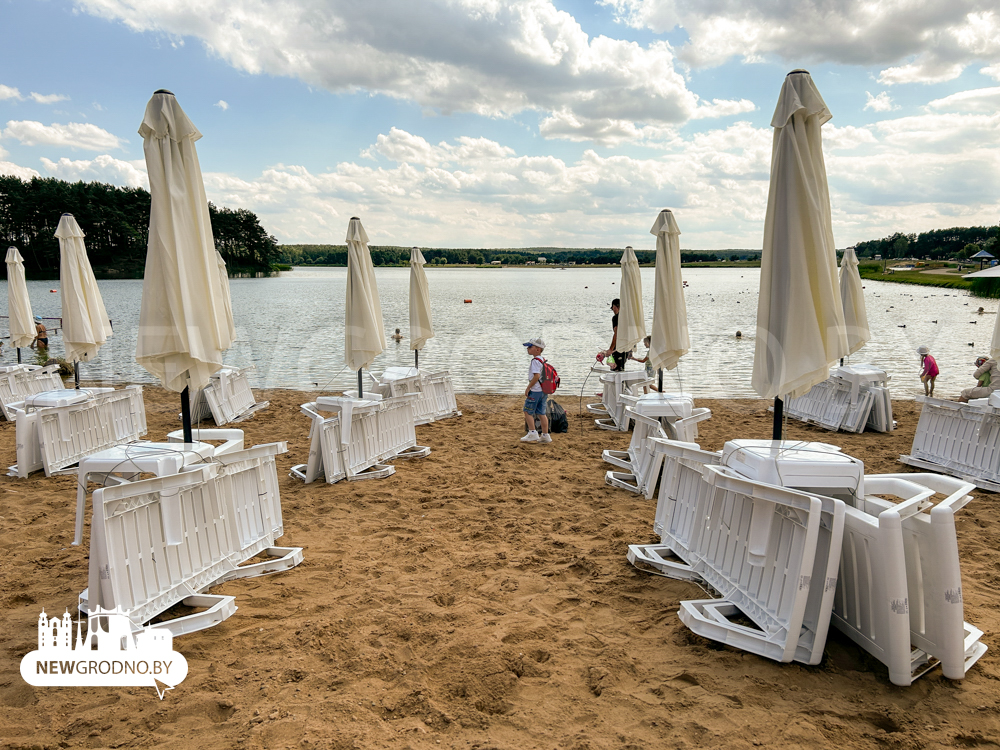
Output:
(628, 247)
(163, 91)
(69, 215)
(798, 70)
(355, 218)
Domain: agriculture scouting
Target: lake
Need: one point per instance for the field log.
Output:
(292, 328)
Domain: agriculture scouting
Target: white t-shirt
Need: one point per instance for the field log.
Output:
(535, 369)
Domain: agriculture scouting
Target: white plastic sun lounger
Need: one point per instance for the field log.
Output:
(959, 439)
(899, 592)
(639, 463)
(58, 428)
(361, 436)
(852, 398)
(611, 410)
(660, 415)
(435, 393)
(17, 382)
(203, 532)
(772, 554)
(134, 566)
(677, 516)
(227, 397)
(248, 486)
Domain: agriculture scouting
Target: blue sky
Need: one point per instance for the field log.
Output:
(479, 123)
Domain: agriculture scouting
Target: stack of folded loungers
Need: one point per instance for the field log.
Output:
(792, 536)
(853, 398)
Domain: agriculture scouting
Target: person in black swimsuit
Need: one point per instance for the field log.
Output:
(619, 357)
(41, 335)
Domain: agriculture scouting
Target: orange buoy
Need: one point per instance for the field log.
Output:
(54, 291)
(468, 301)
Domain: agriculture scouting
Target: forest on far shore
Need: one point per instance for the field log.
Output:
(116, 224)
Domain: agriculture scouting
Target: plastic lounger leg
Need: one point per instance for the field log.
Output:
(377, 471)
(280, 559)
(417, 451)
(660, 560)
(219, 608)
(624, 480)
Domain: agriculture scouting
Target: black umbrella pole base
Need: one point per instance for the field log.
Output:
(186, 415)
(779, 416)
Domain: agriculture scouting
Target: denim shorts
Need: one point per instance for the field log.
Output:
(535, 402)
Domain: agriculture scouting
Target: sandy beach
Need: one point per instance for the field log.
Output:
(478, 599)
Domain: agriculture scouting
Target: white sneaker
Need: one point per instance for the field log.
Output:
(545, 438)
(531, 437)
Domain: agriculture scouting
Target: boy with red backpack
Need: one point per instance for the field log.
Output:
(535, 398)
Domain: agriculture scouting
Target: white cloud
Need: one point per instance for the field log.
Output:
(482, 56)
(928, 71)
(880, 103)
(14, 170)
(976, 100)
(103, 168)
(48, 98)
(222, 104)
(993, 71)
(8, 92)
(933, 39)
(76, 135)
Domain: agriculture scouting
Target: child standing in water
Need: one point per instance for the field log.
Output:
(928, 370)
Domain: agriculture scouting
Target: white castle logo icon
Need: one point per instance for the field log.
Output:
(56, 634)
(109, 653)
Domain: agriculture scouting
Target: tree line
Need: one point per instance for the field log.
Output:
(116, 224)
(938, 244)
(388, 255)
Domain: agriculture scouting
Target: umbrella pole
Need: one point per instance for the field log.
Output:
(361, 392)
(19, 355)
(779, 415)
(659, 383)
(416, 358)
(186, 415)
(76, 375)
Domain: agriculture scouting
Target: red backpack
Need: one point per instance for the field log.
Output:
(550, 378)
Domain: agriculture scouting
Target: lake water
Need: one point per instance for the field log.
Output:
(292, 328)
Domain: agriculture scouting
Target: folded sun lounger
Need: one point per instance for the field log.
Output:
(359, 437)
(227, 397)
(56, 429)
(162, 541)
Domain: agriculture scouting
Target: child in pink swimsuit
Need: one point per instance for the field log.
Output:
(928, 370)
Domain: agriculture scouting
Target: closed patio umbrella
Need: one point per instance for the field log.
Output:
(800, 317)
(185, 322)
(364, 334)
(852, 296)
(631, 318)
(19, 317)
(669, 339)
(85, 324)
(421, 327)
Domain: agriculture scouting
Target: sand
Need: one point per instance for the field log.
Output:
(479, 598)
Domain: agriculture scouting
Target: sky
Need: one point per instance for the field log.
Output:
(481, 123)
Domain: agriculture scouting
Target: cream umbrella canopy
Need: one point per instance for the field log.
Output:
(852, 296)
(185, 323)
(669, 339)
(19, 317)
(421, 327)
(800, 317)
(631, 319)
(85, 324)
(364, 334)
